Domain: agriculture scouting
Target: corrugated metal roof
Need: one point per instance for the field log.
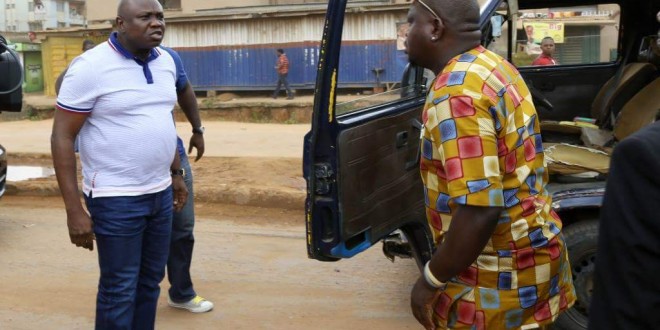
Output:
(280, 11)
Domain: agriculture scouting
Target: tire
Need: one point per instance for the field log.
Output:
(581, 243)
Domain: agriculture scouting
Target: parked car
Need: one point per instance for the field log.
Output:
(11, 95)
(361, 158)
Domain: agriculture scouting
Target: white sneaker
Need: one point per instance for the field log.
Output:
(195, 305)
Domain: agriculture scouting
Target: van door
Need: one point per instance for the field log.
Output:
(361, 157)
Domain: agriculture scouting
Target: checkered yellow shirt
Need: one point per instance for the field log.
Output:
(481, 146)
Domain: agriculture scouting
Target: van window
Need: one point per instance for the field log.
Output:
(373, 57)
(581, 35)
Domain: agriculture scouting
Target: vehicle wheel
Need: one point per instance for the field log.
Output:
(581, 243)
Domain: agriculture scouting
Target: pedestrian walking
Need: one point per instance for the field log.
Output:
(119, 98)
(500, 261)
(282, 68)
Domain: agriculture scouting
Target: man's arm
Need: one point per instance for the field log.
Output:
(470, 229)
(66, 126)
(58, 81)
(188, 103)
(179, 188)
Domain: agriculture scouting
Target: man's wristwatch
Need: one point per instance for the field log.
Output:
(181, 172)
(198, 130)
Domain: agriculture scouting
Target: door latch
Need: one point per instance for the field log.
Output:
(324, 178)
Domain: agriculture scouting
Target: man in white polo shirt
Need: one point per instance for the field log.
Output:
(118, 97)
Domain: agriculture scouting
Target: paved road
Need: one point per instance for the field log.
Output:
(223, 139)
(256, 272)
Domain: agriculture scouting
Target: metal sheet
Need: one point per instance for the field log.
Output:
(240, 54)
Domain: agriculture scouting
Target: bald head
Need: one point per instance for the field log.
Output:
(440, 30)
(126, 7)
(459, 16)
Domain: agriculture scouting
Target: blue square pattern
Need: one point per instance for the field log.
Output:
(461, 200)
(537, 238)
(495, 198)
(554, 286)
(527, 296)
(490, 298)
(539, 175)
(553, 228)
(531, 181)
(504, 253)
(467, 58)
(437, 100)
(504, 281)
(477, 185)
(448, 130)
(504, 218)
(538, 143)
(442, 204)
(513, 318)
(521, 131)
(510, 198)
(501, 93)
(427, 149)
(496, 118)
(531, 126)
(456, 78)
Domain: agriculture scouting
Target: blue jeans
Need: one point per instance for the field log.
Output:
(181, 245)
(132, 239)
(282, 80)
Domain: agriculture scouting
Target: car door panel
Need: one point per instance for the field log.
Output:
(378, 186)
(570, 90)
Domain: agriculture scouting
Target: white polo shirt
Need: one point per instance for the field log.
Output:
(128, 141)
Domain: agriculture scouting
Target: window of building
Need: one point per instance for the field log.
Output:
(170, 4)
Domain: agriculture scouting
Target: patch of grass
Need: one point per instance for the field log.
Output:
(207, 102)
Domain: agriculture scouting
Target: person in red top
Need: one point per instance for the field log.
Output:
(282, 68)
(548, 49)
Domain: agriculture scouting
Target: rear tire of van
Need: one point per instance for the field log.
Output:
(581, 242)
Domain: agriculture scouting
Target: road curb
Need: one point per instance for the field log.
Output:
(237, 195)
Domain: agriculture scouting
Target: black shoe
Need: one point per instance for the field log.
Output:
(274, 97)
(290, 98)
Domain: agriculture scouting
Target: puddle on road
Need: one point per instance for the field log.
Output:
(21, 173)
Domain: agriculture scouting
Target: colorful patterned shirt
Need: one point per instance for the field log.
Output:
(481, 146)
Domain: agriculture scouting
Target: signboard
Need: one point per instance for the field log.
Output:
(536, 31)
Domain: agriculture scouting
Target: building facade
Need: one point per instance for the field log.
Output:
(38, 15)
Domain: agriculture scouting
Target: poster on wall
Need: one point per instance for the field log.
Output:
(536, 31)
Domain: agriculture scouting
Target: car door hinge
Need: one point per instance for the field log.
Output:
(324, 178)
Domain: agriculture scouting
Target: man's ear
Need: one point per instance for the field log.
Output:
(119, 22)
(438, 29)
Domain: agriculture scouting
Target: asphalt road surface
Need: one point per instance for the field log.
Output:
(250, 262)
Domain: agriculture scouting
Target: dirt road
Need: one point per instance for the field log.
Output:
(251, 262)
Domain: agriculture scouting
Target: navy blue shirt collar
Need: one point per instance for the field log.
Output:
(153, 54)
